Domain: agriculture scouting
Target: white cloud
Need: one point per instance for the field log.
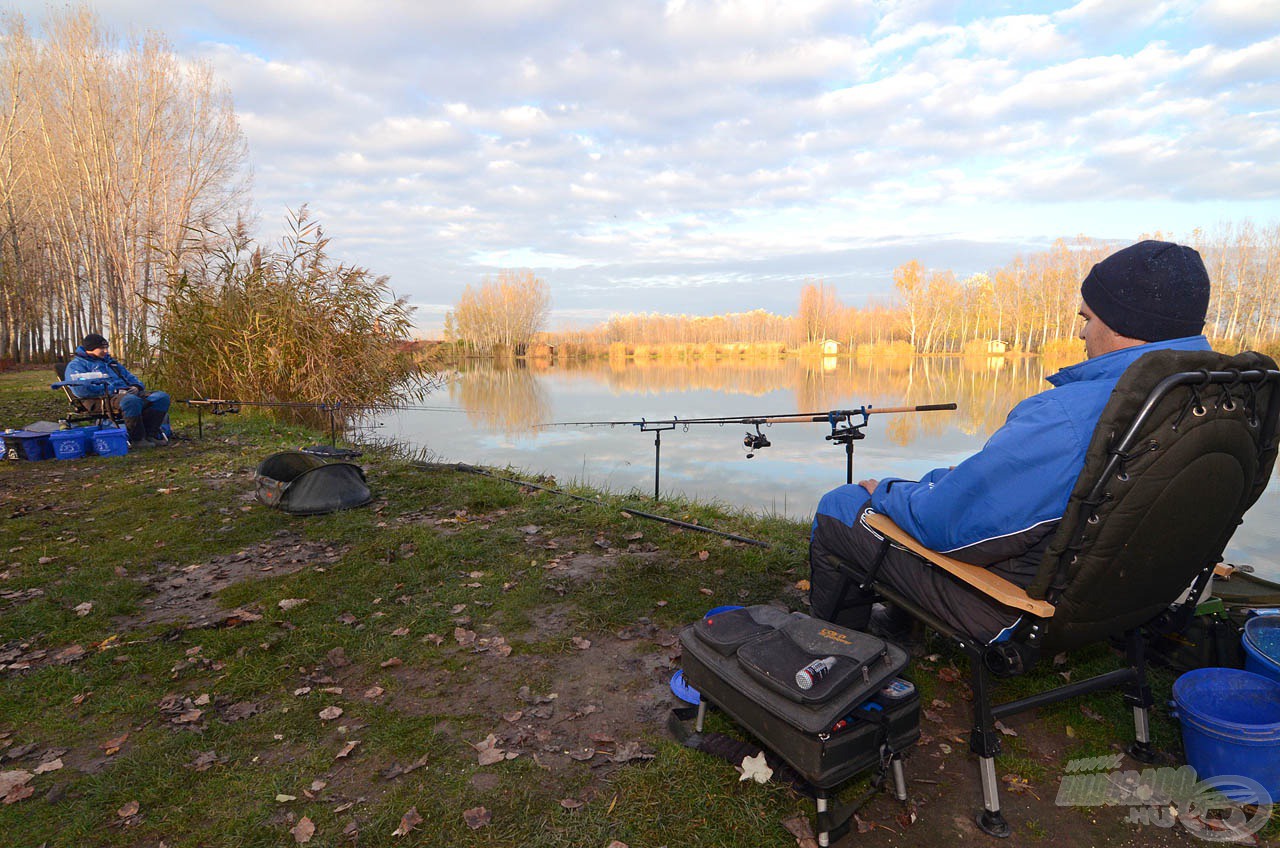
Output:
(595, 140)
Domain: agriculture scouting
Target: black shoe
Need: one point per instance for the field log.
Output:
(891, 624)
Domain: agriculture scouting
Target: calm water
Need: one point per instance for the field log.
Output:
(488, 416)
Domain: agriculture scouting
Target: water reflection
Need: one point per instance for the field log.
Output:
(500, 404)
(511, 397)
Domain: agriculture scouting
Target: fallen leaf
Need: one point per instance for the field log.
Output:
(330, 713)
(284, 799)
(947, 674)
(476, 817)
(317, 785)
(374, 692)
(706, 591)
(570, 803)
(513, 717)
(291, 603)
(756, 768)
(19, 793)
(129, 809)
(1007, 731)
(802, 830)
(203, 761)
(632, 751)
(391, 663)
(1071, 732)
(337, 658)
(702, 555)
(303, 690)
(463, 636)
(111, 746)
(802, 585)
(188, 717)
(84, 609)
(408, 822)
(10, 780)
(303, 831)
(400, 631)
(489, 751)
(580, 643)
(51, 765)
(347, 749)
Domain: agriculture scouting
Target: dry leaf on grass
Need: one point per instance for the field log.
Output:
(303, 831)
(11, 780)
(84, 609)
(580, 643)
(570, 803)
(291, 603)
(408, 822)
(347, 749)
(129, 809)
(489, 751)
(111, 746)
(374, 692)
(52, 765)
(476, 817)
(330, 713)
(802, 830)
(702, 555)
(391, 663)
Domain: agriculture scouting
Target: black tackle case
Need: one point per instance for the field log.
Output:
(745, 660)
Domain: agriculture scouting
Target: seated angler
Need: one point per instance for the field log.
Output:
(144, 412)
(1000, 507)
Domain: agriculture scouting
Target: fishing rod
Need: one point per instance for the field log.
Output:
(847, 426)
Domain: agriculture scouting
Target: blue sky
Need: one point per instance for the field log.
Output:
(703, 157)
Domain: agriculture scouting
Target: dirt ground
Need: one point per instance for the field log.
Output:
(607, 699)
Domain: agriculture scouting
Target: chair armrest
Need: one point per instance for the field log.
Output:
(983, 579)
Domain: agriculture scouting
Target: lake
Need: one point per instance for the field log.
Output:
(489, 412)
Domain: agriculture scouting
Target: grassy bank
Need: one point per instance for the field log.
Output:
(183, 665)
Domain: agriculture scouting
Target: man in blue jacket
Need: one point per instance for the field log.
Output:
(143, 411)
(1000, 507)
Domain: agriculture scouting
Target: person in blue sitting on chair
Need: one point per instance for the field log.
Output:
(1001, 507)
(143, 411)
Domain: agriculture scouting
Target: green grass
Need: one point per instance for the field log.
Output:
(436, 548)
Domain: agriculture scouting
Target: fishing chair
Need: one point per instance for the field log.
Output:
(96, 409)
(1185, 445)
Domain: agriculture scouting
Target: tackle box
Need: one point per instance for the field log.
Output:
(745, 662)
(27, 445)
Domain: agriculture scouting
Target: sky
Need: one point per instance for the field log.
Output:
(707, 157)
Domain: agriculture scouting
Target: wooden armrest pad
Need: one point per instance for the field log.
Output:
(984, 580)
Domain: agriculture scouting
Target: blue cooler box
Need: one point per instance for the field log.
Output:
(27, 446)
(110, 441)
(72, 444)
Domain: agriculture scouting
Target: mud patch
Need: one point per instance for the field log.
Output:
(188, 593)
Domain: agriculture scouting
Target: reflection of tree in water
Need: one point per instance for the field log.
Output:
(504, 396)
(508, 397)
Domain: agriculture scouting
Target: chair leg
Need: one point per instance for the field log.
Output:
(820, 800)
(984, 741)
(1139, 697)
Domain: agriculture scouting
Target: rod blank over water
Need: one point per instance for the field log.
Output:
(844, 429)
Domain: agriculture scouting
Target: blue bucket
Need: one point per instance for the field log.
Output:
(1231, 726)
(1261, 643)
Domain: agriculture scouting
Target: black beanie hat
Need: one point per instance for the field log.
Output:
(1153, 290)
(93, 341)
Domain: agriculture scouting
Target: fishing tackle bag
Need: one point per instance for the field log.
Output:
(745, 660)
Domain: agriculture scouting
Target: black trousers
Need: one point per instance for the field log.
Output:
(834, 595)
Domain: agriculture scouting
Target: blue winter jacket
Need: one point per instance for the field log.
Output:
(1006, 499)
(118, 377)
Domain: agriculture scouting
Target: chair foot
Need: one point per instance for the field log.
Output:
(993, 824)
(1143, 752)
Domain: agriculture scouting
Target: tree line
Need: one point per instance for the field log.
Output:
(1029, 305)
(115, 158)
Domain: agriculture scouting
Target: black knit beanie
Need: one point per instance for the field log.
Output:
(1153, 290)
(93, 341)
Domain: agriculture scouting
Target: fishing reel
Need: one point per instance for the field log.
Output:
(755, 441)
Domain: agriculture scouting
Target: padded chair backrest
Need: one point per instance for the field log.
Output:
(1184, 446)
